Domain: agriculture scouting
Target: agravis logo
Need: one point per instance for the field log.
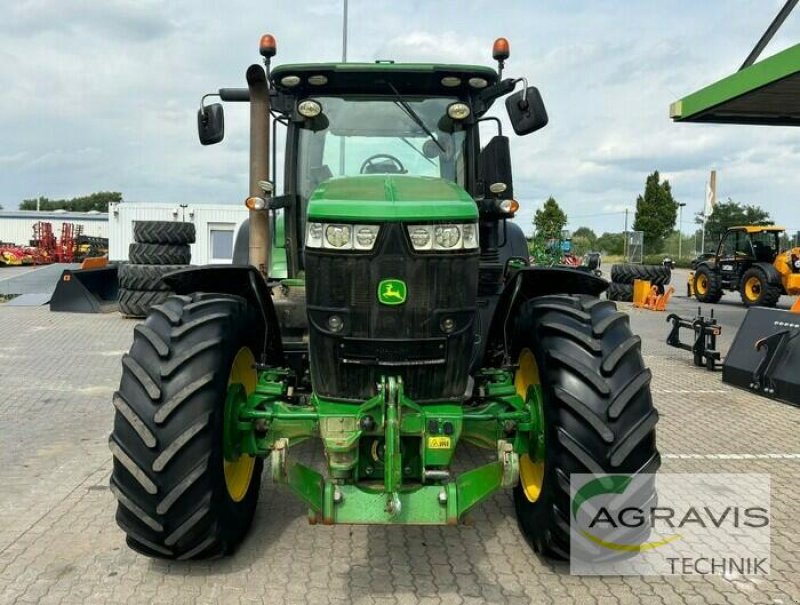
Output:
(627, 516)
(647, 524)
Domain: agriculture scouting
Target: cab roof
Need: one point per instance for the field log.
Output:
(374, 78)
(759, 228)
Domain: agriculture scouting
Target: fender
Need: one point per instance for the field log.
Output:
(238, 280)
(773, 276)
(532, 282)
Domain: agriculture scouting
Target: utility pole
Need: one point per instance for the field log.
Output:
(344, 33)
(680, 227)
(625, 237)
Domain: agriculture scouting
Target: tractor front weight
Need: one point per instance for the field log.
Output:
(389, 458)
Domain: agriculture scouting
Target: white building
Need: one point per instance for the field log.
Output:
(215, 224)
(16, 227)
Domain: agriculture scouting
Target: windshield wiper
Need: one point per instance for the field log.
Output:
(403, 104)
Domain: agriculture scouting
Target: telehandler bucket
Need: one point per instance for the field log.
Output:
(86, 291)
(765, 355)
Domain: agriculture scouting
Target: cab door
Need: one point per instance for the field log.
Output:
(734, 256)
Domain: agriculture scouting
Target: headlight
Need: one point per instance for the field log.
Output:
(470, 236)
(290, 81)
(314, 235)
(458, 111)
(338, 236)
(309, 108)
(366, 236)
(444, 237)
(420, 237)
(341, 236)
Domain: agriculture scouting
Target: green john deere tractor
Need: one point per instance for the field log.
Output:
(383, 304)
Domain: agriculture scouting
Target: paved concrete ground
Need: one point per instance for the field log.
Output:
(59, 542)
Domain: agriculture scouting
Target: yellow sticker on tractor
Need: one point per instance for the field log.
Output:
(438, 443)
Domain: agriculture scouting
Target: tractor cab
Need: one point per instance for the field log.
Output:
(352, 120)
(749, 244)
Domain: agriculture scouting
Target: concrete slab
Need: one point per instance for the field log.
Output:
(32, 280)
(29, 300)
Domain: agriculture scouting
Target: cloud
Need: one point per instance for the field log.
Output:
(139, 19)
(103, 94)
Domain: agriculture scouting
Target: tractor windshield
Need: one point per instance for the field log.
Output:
(377, 135)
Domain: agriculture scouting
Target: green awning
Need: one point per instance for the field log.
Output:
(766, 93)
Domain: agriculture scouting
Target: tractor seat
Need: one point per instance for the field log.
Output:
(763, 253)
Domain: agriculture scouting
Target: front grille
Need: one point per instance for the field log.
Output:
(402, 340)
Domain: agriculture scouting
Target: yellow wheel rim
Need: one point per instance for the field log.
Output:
(239, 472)
(701, 285)
(752, 289)
(531, 474)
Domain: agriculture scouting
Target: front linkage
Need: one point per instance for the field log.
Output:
(388, 458)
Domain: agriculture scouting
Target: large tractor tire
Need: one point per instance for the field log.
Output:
(657, 275)
(619, 292)
(578, 358)
(137, 303)
(145, 277)
(159, 254)
(707, 285)
(756, 290)
(178, 497)
(163, 232)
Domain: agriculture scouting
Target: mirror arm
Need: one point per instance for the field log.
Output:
(488, 96)
(523, 102)
(203, 101)
(494, 119)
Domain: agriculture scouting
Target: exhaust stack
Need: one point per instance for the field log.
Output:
(260, 233)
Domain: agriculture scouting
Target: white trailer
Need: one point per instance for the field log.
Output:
(216, 226)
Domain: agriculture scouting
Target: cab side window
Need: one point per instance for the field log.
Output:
(728, 246)
(744, 246)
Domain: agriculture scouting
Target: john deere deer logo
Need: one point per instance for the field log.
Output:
(392, 292)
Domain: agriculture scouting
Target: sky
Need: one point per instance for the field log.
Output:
(103, 94)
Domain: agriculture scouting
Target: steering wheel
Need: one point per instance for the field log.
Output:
(370, 162)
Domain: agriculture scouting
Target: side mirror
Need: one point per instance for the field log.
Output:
(211, 124)
(494, 169)
(526, 111)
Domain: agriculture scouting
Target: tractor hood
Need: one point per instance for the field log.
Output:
(391, 198)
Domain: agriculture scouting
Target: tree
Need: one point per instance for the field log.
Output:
(730, 214)
(94, 201)
(583, 240)
(549, 220)
(585, 232)
(612, 244)
(656, 212)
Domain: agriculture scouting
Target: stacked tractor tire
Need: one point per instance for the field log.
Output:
(623, 276)
(159, 247)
